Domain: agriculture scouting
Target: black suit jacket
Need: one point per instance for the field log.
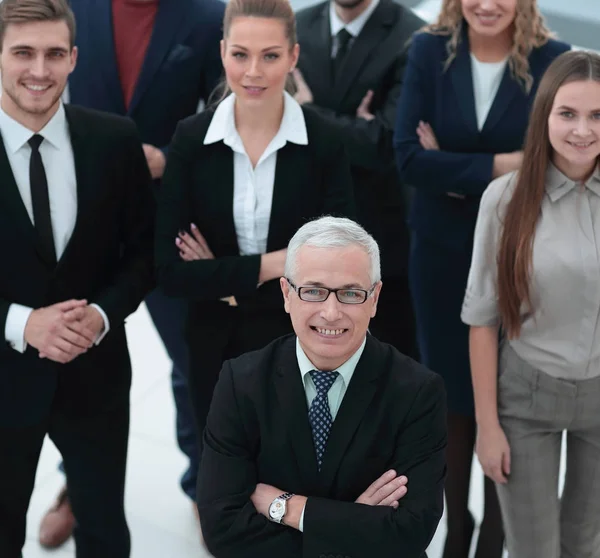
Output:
(107, 261)
(393, 416)
(376, 61)
(310, 180)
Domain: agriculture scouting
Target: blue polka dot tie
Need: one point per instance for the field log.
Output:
(319, 414)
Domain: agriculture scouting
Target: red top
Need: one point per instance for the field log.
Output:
(133, 22)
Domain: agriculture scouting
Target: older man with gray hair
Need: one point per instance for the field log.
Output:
(326, 443)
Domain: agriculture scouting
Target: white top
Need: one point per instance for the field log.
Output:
(57, 155)
(354, 27)
(253, 187)
(561, 336)
(487, 77)
(337, 391)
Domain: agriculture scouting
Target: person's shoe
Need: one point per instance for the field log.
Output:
(58, 523)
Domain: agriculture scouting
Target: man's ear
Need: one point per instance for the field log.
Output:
(375, 296)
(285, 290)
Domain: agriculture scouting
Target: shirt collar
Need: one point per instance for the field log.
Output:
(346, 370)
(15, 135)
(222, 126)
(558, 185)
(355, 26)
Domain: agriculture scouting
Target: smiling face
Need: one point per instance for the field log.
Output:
(257, 57)
(489, 18)
(574, 128)
(330, 332)
(35, 62)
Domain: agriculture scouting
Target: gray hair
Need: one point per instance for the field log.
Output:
(333, 232)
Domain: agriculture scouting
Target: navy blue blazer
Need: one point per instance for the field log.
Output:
(464, 162)
(182, 65)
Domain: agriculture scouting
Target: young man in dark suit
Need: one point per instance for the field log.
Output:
(153, 61)
(76, 219)
(352, 58)
(327, 442)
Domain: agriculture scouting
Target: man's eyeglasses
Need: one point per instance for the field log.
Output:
(321, 294)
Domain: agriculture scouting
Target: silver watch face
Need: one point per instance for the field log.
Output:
(277, 509)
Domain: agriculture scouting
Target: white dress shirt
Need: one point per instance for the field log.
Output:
(354, 27)
(57, 155)
(336, 393)
(253, 186)
(487, 77)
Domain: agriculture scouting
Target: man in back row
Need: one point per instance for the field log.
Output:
(351, 68)
(76, 220)
(310, 442)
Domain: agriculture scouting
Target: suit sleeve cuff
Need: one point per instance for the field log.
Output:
(301, 522)
(106, 324)
(14, 330)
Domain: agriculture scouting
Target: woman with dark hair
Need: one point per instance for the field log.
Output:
(241, 178)
(535, 278)
(467, 92)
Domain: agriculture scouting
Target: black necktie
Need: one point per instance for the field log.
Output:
(41, 201)
(343, 44)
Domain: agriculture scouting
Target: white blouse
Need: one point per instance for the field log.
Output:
(487, 77)
(253, 187)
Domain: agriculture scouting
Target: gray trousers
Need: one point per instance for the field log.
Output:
(535, 409)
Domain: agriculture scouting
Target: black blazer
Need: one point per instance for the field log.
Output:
(393, 416)
(376, 61)
(310, 180)
(107, 261)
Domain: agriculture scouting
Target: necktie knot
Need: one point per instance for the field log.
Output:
(343, 38)
(323, 380)
(35, 141)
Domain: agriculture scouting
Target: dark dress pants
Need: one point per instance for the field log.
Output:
(94, 449)
(394, 322)
(169, 315)
(217, 332)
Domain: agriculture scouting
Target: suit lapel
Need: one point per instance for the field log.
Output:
(359, 395)
(169, 21)
(508, 90)
(221, 171)
(292, 401)
(287, 171)
(317, 61)
(11, 198)
(100, 15)
(462, 82)
(373, 33)
(86, 172)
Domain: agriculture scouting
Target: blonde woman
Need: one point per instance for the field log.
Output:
(468, 89)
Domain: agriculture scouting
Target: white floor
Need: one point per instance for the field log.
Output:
(160, 517)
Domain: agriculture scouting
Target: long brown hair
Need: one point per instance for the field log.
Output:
(523, 210)
(530, 32)
(272, 9)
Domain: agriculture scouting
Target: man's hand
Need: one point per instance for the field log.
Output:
(364, 110)
(156, 160)
(263, 497)
(385, 491)
(303, 92)
(57, 332)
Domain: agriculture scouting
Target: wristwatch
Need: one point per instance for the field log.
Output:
(278, 507)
